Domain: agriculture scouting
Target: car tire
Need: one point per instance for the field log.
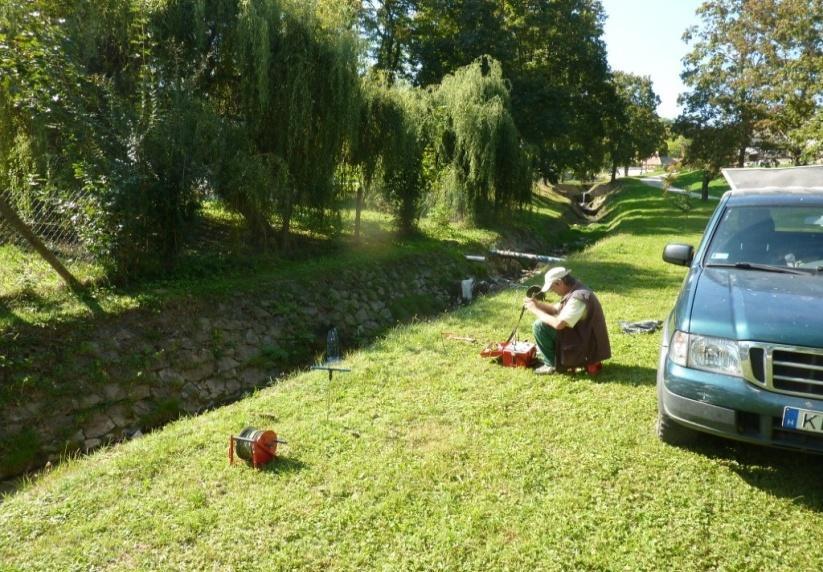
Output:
(672, 433)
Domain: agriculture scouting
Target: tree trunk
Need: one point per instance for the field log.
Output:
(8, 213)
(285, 228)
(614, 171)
(704, 191)
(741, 157)
(626, 171)
(357, 210)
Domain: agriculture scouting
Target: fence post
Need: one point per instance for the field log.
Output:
(8, 213)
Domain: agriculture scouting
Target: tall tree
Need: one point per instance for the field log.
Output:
(639, 132)
(724, 71)
(143, 104)
(790, 37)
(756, 68)
(560, 83)
(386, 24)
(477, 145)
(296, 98)
(552, 53)
(709, 148)
(450, 34)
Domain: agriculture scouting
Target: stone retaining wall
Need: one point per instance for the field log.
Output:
(77, 387)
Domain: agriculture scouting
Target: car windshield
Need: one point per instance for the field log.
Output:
(788, 237)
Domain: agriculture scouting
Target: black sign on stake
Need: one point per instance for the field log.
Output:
(331, 363)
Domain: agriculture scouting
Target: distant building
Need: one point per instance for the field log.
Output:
(656, 161)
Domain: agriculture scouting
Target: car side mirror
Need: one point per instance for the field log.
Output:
(680, 254)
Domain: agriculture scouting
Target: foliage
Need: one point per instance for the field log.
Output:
(755, 72)
(553, 55)
(42, 119)
(387, 23)
(709, 148)
(402, 177)
(148, 106)
(450, 34)
(297, 97)
(560, 83)
(789, 35)
(484, 167)
(388, 147)
(722, 75)
(675, 143)
(638, 131)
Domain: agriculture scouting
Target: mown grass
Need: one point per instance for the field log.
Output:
(219, 260)
(427, 457)
(693, 181)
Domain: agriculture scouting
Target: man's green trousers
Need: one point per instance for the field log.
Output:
(546, 339)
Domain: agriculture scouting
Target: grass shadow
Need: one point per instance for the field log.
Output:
(783, 473)
(635, 376)
(7, 314)
(651, 212)
(284, 466)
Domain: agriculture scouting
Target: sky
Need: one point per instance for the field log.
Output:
(644, 37)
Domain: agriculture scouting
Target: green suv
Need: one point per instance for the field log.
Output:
(742, 350)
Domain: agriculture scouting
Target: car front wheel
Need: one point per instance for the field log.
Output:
(672, 433)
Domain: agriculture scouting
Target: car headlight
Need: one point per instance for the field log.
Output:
(706, 353)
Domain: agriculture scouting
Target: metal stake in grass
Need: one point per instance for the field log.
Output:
(330, 365)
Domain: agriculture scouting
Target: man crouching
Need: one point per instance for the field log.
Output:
(571, 333)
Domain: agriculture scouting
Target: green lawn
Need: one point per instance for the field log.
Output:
(427, 457)
(693, 181)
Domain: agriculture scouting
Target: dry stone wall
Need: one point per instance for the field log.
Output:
(77, 387)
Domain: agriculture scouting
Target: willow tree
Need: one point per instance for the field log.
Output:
(389, 147)
(369, 141)
(553, 54)
(295, 95)
(478, 149)
(402, 159)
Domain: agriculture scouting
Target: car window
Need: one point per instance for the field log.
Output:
(784, 236)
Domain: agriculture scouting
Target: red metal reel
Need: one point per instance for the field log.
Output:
(264, 448)
(254, 445)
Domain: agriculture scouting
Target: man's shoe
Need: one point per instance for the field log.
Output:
(545, 370)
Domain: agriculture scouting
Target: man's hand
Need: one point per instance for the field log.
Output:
(546, 313)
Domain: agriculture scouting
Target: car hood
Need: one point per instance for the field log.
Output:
(759, 306)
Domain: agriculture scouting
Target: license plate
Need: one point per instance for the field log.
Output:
(803, 419)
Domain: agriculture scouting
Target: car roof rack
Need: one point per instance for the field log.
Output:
(765, 179)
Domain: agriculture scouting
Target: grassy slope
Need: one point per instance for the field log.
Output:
(427, 457)
(693, 181)
(32, 293)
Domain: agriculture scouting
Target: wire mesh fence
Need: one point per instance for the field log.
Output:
(51, 217)
(53, 220)
(73, 226)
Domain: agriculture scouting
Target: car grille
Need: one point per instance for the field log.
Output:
(798, 371)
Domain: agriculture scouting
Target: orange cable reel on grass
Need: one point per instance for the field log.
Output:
(255, 446)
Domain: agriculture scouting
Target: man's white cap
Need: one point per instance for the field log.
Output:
(553, 275)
